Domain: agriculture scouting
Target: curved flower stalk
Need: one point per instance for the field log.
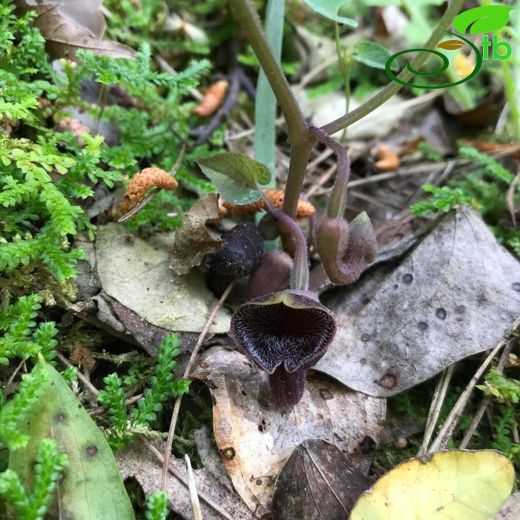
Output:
(284, 333)
(346, 249)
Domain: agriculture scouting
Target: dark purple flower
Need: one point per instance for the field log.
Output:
(284, 333)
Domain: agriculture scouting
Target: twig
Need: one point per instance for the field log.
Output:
(247, 84)
(510, 197)
(204, 132)
(435, 408)
(138, 207)
(453, 418)
(321, 157)
(321, 181)
(194, 497)
(101, 409)
(251, 131)
(485, 401)
(187, 371)
(15, 371)
(181, 478)
(90, 387)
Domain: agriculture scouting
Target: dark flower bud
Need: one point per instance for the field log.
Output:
(273, 274)
(241, 253)
(346, 249)
(284, 333)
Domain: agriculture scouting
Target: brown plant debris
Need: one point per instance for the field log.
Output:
(213, 98)
(82, 356)
(305, 209)
(142, 182)
(387, 158)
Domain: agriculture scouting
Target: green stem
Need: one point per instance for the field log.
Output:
(387, 92)
(297, 167)
(247, 17)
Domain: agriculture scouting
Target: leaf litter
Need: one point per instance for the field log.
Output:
(453, 296)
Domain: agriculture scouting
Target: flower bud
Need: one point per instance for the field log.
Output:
(273, 274)
(346, 249)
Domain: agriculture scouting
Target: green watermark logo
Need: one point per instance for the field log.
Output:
(480, 20)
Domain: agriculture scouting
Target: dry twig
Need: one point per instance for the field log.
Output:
(187, 371)
(453, 418)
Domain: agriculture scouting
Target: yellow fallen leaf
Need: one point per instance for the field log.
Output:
(452, 485)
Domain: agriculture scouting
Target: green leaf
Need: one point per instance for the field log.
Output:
(91, 487)
(452, 484)
(371, 54)
(330, 9)
(236, 176)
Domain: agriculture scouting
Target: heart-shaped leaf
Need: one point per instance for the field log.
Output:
(330, 9)
(453, 484)
(236, 176)
(451, 45)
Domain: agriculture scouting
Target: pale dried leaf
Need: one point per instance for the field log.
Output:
(137, 462)
(455, 295)
(135, 272)
(255, 438)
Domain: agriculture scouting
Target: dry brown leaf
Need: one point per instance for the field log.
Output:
(255, 438)
(213, 98)
(387, 158)
(142, 182)
(193, 241)
(65, 29)
(317, 483)
(276, 196)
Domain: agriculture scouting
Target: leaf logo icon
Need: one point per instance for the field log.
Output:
(451, 45)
